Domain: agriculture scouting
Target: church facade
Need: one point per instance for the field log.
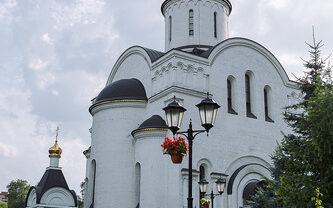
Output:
(125, 165)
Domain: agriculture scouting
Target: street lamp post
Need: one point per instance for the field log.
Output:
(220, 184)
(174, 114)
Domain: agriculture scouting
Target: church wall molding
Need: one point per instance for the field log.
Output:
(237, 41)
(168, 4)
(244, 160)
(179, 54)
(150, 133)
(127, 104)
(138, 50)
(58, 196)
(176, 89)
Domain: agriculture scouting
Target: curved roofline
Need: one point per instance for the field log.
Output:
(167, 1)
(149, 56)
(239, 41)
(155, 122)
(39, 195)
(234, 175)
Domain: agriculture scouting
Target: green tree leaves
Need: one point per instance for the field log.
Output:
(303, 162)
(17, 193)
(3, 204)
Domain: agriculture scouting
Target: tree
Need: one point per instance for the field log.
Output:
(3, 204)
(80, 199)
(303, 162)
(17, 193)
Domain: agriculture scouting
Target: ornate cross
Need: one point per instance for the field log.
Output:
(57, 133)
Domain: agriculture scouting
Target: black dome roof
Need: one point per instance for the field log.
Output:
(124, 89)
(154, 122)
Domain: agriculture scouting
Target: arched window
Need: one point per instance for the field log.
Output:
(138, 183)
(170, 28)
(202, 172)
(191, 26)
(230, 95)
(93, 179)
(251, 190)
(248, 96)
(215, 32)
(267, 103)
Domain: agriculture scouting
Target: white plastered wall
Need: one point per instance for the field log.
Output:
(203, 23)
(234, 136)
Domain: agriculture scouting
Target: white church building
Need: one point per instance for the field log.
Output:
(52, 190)
(125, 164)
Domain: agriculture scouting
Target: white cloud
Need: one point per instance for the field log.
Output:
(81, 11)
(7, 151)
(38, 64)
(55, 92)
(5, 7)
(46, 38)
(280, 4)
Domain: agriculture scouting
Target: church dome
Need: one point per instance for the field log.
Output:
(55, 150)
(155, 122)
(124, 90)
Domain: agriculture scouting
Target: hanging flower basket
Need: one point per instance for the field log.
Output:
(176, 147)
(177, 158)
(205, 203)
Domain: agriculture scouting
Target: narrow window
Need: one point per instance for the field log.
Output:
(267, 104)
(93, 165)
(202, 176)
(170, 28)
(191, 32)
(138, 183)
(248, 97)
(202, 172)
(230, 101)
(215, 32)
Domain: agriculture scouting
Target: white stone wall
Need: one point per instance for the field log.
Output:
(235, 140)
(203, 22)
(112, 148)
(155, 187)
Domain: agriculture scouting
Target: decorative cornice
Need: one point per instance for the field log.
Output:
(116, 104)
(185, 172)
(215, 175)
(177, 53)
(149, 132)
(169, 2)
(149, 129)
(87, 152)
(179, 90)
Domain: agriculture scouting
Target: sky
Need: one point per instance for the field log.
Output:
(56, 55)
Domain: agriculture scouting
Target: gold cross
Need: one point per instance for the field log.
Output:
(57, 133)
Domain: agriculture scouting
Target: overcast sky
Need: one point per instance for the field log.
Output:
(55, 56)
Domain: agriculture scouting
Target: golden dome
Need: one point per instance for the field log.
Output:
(55, 150)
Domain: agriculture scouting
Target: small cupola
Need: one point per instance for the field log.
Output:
(55, 153)
(153, 124)
(195, 22)
(55, 150)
